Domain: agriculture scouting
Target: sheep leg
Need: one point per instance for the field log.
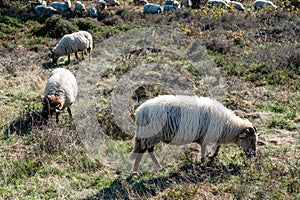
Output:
(152, 156)
(69, 111)
(138, 159)
(216, 152)
(56, 114)
(69, 59)
(76, 55)
(89, 53)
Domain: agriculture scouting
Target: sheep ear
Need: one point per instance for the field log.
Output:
(250, 130)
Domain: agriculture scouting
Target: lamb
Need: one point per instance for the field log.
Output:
(180, 120)
(62, 6)
(261, 3)
(79, 6)
(92, 11)
(41, 10)
(237, 5)
(73, 43)
(216, 3)
(60, 93)
(152, 8)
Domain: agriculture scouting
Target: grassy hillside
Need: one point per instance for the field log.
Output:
(248, 61)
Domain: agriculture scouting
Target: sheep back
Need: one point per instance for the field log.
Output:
(62, 82)
(152, 8)
(181, 120)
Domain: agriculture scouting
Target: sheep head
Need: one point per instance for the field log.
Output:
(52, 104)
(247, 139)
(54, 56)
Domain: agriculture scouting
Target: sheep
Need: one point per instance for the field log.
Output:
(261, 3)
(62, 6)
(102, 5)
(79, 6)
(171, 5)
(38, 3)
(92, 11)
(72, 43)
(152, 8)
(216, 3)
(185, 3)
(140, 2)
(41, 10)
(180, 120)
(237, 5)
(60, 93)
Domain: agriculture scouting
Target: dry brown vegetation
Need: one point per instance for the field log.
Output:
(251, 60)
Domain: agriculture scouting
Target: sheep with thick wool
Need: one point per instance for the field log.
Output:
(60, 93)
(237, 5)
(79, 6)
(73, 43)
(42, 10)
(62, 6)
(263, 3)
(152, 8)
(181, 120)
(92, 11)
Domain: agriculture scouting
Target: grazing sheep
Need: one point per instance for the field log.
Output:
(102, 5)
(38, 3)
(140, 2)
(181, 120)
(171, 5)
(62, 6)
(73, 43)
(42, 11)
(152, 8)
(185, 3)
(92, 12)
(261, 3)
(216, 3)
(79, 6)
(237, 5)
(60, 93)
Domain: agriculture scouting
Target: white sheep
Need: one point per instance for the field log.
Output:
(171, 5)
(180, 120)
(237, 5)
(73, 43)
(216, 3)
(60, 93)
(79, 6)
(101, 5)
(62, 6)
(38, 3)
(262, 3)
(185, 3)
(92, 11)
(41, 10)
(152, 8)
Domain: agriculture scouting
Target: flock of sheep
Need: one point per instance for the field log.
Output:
(41, 8)
(176, 120)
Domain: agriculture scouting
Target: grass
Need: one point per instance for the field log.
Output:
(256, 55)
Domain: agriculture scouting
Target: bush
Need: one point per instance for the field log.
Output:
(56, 27)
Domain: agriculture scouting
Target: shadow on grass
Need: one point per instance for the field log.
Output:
(25, 122)
(132, 188)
